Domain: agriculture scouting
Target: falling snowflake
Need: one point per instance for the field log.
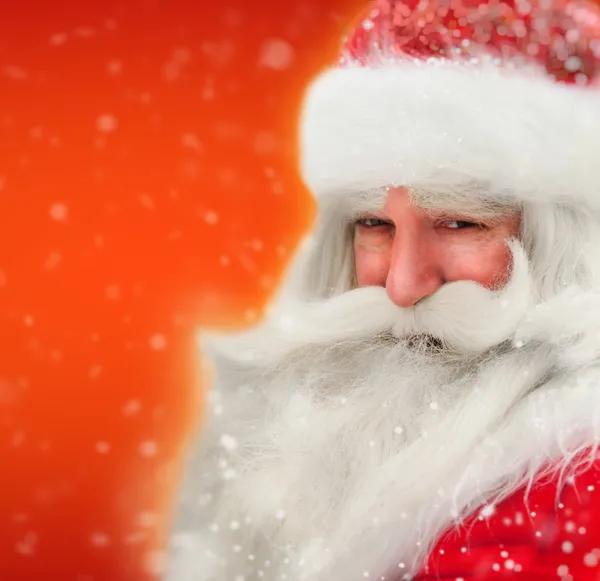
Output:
(114, 67)
(148, 448)
(158, 342)
(567, 547)
(131, 408)
(229, 442)
(276, 54)
(102, 447)
(154, 562)
(107, 123)
(26, 546)
(59, 212)
(211, 217)
(59, 39)
(99, 539)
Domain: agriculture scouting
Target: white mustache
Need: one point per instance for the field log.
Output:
(465, 316)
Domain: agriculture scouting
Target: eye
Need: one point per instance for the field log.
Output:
(460, 224)
(371, 222)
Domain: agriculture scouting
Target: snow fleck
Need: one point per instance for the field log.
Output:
(519, 344)
(276, 54)
(84, 32)
(113, 292)
(158, 342)
(26, 546)
(154, 562)
(100, 539)
(591, 488)
(582, 530)
(487, 511)
(518, 568)
(131, 408)
(234, 525)
(366, 574)
(102, 447)
(567, 547)
(173, 68)
(28, 320)
(265, 143)
(509, 564)
(519, 519)
(496, 567)
(573, 63)
(398, 430)
(114, 67)
(191, 141)
(229, 474)
(401, 565)
(15, 73)
(146, 201)
(18, 438)
(229, 442)
(95, 371)
(224, 260)
(211, 217)
(434, 405)
(106, 123)
(506, 521)
(504, 554)
(59, 212)
(59, 38)
(570, 526)
(20, 517)
(146, 519)
(538, 534)
(52, 260)
(562, 570)
(148, 448)
(463, 549)
(237, 548)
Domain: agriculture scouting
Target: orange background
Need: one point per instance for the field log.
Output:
(148, 186)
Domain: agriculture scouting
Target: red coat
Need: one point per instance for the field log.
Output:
(533, 537)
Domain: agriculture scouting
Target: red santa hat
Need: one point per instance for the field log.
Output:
(502, 94)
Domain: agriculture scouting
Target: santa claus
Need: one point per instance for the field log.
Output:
(423, 399)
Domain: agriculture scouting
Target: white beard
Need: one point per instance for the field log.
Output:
(330, 457)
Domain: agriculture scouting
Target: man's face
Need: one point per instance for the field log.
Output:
(412, 252)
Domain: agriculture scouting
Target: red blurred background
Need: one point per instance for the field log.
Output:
(148, 187)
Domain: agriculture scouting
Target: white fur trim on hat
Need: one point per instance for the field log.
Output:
(432, 123)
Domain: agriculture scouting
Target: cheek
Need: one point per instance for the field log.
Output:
(372, 263)
(488, 264)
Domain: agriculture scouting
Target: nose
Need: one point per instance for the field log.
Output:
(415, 272)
